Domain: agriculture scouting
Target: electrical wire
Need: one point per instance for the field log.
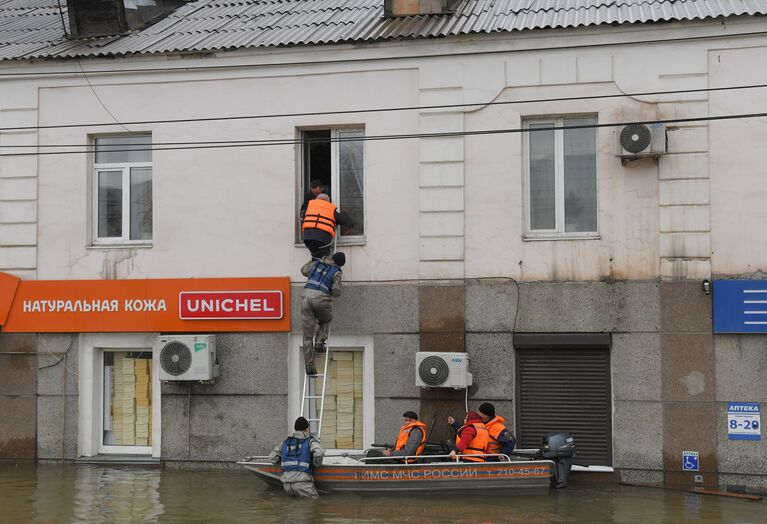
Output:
(386, 109)
(466, 399)
(283, 142)
(59, 361)
(117, 122)
(63, 24)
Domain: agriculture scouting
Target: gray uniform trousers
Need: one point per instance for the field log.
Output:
(304, 489)
(316, 315)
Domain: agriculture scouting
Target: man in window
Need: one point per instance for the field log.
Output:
(319, 225)
(316, 187)
(322, 284)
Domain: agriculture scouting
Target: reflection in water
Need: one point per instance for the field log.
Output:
(54, 493)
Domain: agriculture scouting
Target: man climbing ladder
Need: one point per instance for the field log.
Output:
(322, 284)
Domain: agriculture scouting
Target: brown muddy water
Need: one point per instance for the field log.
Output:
(52, 493)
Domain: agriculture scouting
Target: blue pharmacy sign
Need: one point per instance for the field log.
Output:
(690, 461)
(740, 306)
(744, 421)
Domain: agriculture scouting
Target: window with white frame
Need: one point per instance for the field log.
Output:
(348, 410)
(122, 192)
(561, 176)
(335, 157)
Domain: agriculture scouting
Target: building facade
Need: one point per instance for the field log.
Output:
(493, 217)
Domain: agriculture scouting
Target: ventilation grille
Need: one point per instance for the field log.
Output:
(175, 358)
(635, 138)
(434, 371)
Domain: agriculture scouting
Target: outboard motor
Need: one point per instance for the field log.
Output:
(559, 447)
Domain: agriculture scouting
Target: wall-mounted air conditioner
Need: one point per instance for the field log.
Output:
(188, 357)
(442, 370)
(641, 140)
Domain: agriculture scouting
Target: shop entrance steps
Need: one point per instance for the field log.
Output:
(311, 399)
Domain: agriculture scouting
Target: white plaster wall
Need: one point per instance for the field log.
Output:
(230, 212)
(737, 163)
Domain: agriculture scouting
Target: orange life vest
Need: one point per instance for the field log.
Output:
(478, 444)
(404, 434)
(320, 215)
(494, 428)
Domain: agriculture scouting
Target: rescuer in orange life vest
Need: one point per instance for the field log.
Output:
(411, 440)
(319, 225)
(501, 439)
(471, 439)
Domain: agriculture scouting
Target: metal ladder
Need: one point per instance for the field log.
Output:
(310, 394)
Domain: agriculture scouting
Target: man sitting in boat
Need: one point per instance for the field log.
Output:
(470, 439)
(298, 455)
(501, 439)
(411, 440)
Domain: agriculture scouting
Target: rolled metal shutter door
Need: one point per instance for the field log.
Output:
(566, 389)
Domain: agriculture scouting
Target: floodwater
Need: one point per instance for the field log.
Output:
(53, 493)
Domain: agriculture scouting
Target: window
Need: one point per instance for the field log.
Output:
(122, 189)
(126, 401)
(119, 402)
(335, 157)
(348, 414)
(342, 414)
(561, 177)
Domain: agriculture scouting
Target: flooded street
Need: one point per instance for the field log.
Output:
(69, 493)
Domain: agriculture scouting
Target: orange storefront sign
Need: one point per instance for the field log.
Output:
(149, 305)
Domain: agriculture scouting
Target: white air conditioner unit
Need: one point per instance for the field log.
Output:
(641, 140)
(188, 357)
(442, 370)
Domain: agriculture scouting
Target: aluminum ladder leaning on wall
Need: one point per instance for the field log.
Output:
(310, 394)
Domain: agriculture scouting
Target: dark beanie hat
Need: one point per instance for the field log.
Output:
(301, 424)
(410, 414)
(487, 408)
(339, 259)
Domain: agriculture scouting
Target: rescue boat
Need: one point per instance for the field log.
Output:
(531, 471)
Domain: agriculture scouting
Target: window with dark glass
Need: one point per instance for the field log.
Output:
(335, 157)
(123, 189)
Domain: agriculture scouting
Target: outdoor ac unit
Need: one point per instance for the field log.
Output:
(641, 140)
(442, 370)
(188, 357)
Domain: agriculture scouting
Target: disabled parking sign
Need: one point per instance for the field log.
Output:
(744, 421)
(690, 461)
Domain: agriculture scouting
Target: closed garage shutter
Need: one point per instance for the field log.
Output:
(566, 389)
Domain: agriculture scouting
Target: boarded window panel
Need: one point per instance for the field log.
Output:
(566, 390)
(129, 420)
(342, 415)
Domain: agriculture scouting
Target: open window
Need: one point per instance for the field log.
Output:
(335, 158)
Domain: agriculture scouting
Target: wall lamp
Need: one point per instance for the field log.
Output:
(706, 286)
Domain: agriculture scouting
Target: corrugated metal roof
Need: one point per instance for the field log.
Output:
(33, 28)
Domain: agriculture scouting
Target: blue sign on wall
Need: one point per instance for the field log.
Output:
(740, 306)
(744, 421)
(690, 461)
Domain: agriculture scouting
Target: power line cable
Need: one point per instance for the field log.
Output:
(116, 121)
(390, 109)
(279, 142)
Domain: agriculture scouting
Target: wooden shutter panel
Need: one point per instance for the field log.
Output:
(566, 389)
